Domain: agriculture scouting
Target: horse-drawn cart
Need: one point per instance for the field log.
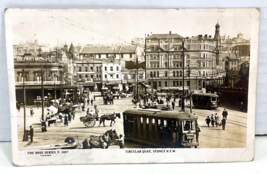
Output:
(89, 121)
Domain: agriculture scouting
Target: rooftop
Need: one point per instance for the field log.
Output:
(165, 36)
(100, 49)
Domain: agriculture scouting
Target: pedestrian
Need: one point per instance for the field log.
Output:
(43, 124)
(121, 141)
(197, 134)
(212, 120)
(208, 121)
(83, 106)
(31, 133)
(73, 113)
(69, 117)
(92, 102)
(31, 111)
(96, 112)
(225, 113)
(88, 101)
(87, 112)
(140, 104)
(173, 104)
(94, 97)
(95, 106)
(66, 120)
(216, 119)
(223, 123)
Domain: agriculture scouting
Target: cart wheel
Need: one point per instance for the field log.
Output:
(90, 123)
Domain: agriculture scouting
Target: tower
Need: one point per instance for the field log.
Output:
(217, 41)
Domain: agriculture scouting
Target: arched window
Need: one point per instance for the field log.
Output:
(181, 73)
(173, 73)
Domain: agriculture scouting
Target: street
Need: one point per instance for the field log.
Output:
(210, 137)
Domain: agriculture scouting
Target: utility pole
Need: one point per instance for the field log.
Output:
(137, 77)
(25, 136)
(183, 106)
(145, 65)
(189, 71)
(42, 73)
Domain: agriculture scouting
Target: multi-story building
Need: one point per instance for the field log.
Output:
(164, 60)
(52, 69)
(32, 70)
(111, 73)
(108, 61)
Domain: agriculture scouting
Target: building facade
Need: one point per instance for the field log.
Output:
(164, 60)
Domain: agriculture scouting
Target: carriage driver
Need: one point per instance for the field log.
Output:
(121, 141)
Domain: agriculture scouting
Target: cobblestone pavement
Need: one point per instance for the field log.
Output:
(210, 137)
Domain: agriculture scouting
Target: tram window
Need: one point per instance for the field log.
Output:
(213, 98)
(147, 120)
(141, 119)
(153, 121)
(165, 123)
(159, 121)
(188, 126)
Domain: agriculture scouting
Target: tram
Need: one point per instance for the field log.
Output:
(205, 100)
(153, 128)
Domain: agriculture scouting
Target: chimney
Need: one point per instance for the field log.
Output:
(209, 36)
(170, 32)
(206, 36)
(200, 36)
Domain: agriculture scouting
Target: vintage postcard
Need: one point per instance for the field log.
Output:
(97, 86)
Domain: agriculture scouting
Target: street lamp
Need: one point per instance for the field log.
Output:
(25, 135)
(190, 96)
(183, 106)
(42, 80)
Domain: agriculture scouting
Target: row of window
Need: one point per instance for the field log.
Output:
(177, 65)
(108, 55)
(179, 73)
(174, 56)
(98, 69)
(111, 76)
(111, 68)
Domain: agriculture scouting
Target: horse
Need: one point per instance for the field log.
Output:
(102, 141)
(110, 117)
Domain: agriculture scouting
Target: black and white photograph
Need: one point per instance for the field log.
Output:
(132, 85)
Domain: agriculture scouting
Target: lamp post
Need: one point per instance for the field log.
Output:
(25, 135)
(183, 106)
(42, 73)
(190, 96)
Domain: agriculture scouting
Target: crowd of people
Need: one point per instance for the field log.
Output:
(215, 120)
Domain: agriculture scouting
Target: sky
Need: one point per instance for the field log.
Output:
(104, 26)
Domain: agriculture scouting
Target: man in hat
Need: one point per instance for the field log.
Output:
(208, 121)
(225, 113)
(121, 141)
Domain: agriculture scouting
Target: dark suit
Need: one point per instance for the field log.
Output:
(223, 123)
(31, 134)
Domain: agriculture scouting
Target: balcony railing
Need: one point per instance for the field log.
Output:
(39, 83)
